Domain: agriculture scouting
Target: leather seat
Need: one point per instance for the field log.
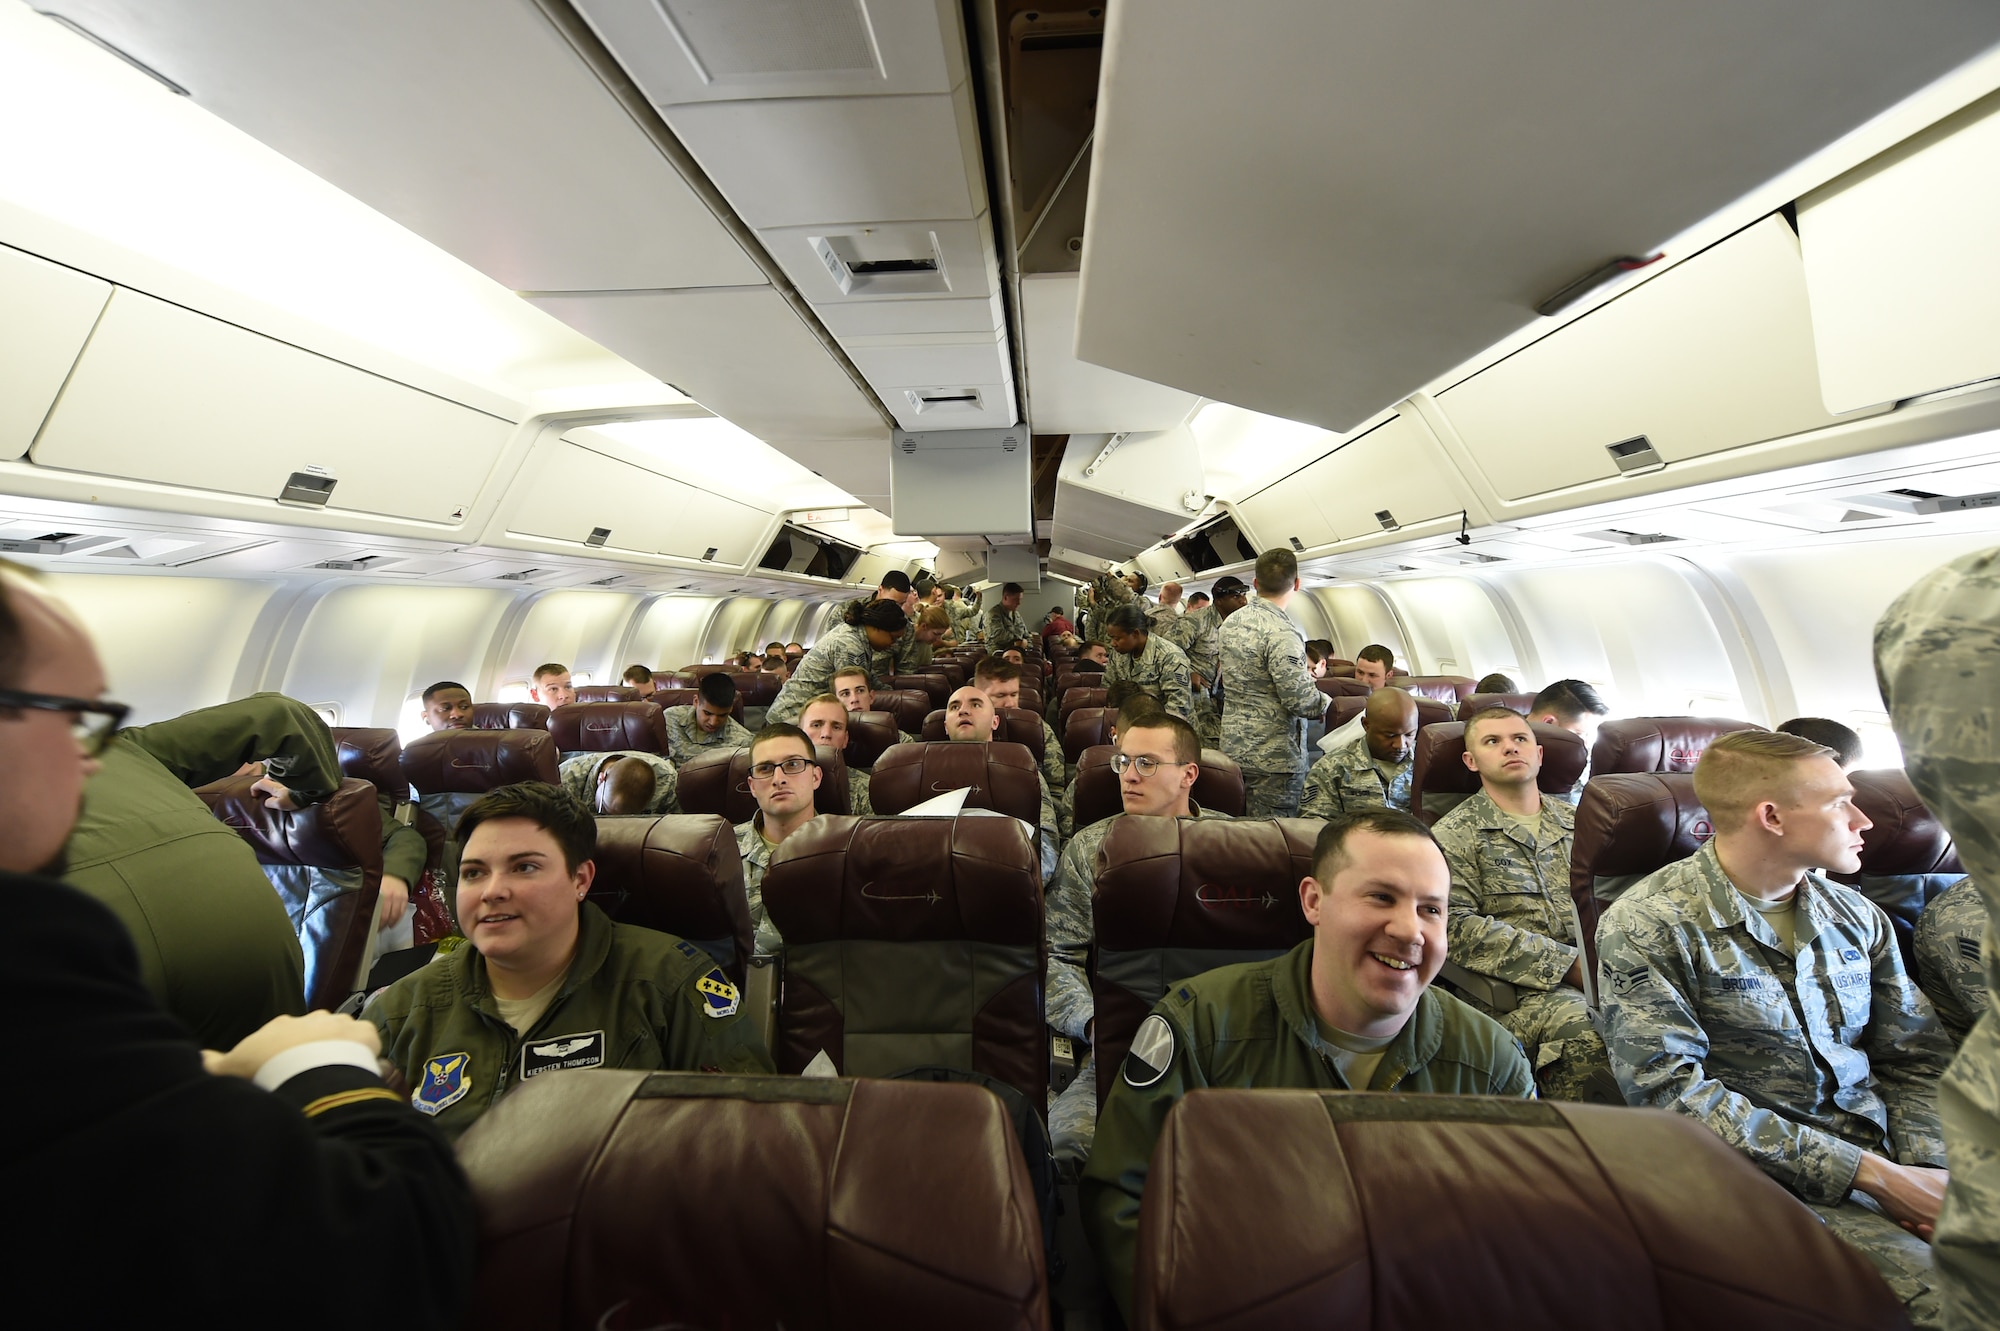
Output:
(609, 727)
(912, 942)
(1031, 699)
(1630, 824)
(1430, 712)
(325, 861)
(375, 755)
(869, 736)
(1018, 725)
(1657, 743)
(1219, 787)
(449, 769)
(954, 673)
(1473, 702)
(1412, 1212)
(677, 697)
(1906, 857)
(1085, 729)
(756, 689)
(1002, 777)
(607, 693)
(1076, 699)
(695, 672)
(908, 706)
(1336, 689)
(933, 686)
(1450, 689)
(679, 874)
(614, 1199)
(671, 679)
(509, 716)
(1178, 897)
(717, 781)
(1440, 781)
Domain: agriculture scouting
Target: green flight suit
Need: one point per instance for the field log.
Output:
(1252, 1026)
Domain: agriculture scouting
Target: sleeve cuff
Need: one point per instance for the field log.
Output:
(282, 1067)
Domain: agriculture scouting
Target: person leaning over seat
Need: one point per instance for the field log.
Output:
(549, 982)
(624, 782)
(866, 628)
(783, 777)
(969, 717)
(1351, 1008)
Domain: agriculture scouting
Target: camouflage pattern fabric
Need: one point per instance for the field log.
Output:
(905, 656)
(1054, 770)
(1348, 780)
(1073, 1116)
(755, 852)
(964, 619)
(857, 794)
(1003, 628)
(579, 778)
(1199, 634)
(685, 738)
(1272, 794)
(1905, 1262)
(1160, 669)
(1937, 651)
(1949, 963)
(1267, 694)
(845, 648)
(1161, 616)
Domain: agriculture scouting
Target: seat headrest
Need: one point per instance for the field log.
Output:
(908, 706)
(717, 781)
(1473, 702)
(1445, 688)
(607, 693)
(375, 755)
(1203, 883)
(475, 761)
(1657, 743)
(1080, 696)
(609, 727)
(1430, 712)
(906, 880)
(1086, 728)
(670, 679)
(869, 736)
(932, 685)
(509, 716)
(1031, 699)
(342, 831)
(1342, 686)
(679, 874)
(1018, 725)
(613, 1198)
(697, 671)
(1634, 823)
(1439, 766)
(1659, 1224)
(756, 689)
(1002, 777)
(1219, 786)
(1907, 838)
(953, 673)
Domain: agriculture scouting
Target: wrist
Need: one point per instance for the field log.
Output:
(1869, 1174)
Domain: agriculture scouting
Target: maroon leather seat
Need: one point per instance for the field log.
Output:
(672, 679)
(1219, 787)
(1413, 1212)
(1440, 780)
(679, 874)
(756, 689)
(1907, 857)
(1076, 699)
(1449, 689)
(607, 693)
(717, 781)
(1336, 669)
(1178, 897)
(1430, 712)
(1630, 824)
(1334, 686)
(1002, 777)
(509, 716)
(326, 863)
(911, 942)
(665, 698)
(1473, 702)
(375, 755)
(609, 727)
(933, 686)
(1657, 743)
(954, 673)
(451, 768)
(908, 706)
(695, 672)
(869, 736)
(611, 1199)
(1018, 725)
(1031, 699)
(1086, 728)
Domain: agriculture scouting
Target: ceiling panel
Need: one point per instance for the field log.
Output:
(1313, 210)
(1068, 396)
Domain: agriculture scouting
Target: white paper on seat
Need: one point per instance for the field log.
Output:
(946, 805)
(821, 1066)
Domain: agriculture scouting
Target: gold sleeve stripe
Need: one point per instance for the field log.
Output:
(341, 1100)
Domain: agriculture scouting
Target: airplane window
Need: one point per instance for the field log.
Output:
(517, 691)
(410, 720)
(329, 712)
(580, 678)
(1879, 747)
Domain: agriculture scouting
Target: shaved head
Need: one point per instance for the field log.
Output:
(1389, 721)
(625, 785)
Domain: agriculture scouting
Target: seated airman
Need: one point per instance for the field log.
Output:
(1372, 771)
(708, 723)
(783, 777)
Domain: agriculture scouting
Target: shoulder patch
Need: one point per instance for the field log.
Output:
(718, 996)
(446, 1080)
(1152, 1052)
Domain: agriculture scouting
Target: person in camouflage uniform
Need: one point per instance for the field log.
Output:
(825, 723)
(1950, 965)
(970, 717)
(1572, 705)
(1936, 653)
(784, 805)
(911, 653)
(872, 627)
(1267, 693)
(1003, 625)
(1198, 633)
(1512, 923)
(1002, 682)
(624, 782)
(1169, 609)
(1781, 1016)
(1373, 772)
(1146, 661)
(708, 724)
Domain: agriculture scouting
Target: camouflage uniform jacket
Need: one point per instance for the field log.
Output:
(905, 656)
(756, 852)
(1801, 1063)
(857, 794)
(846, 647)
(686, 738)
(1348, 781)
(1949, 964)
(1266, 690)
(1199, 634)
(964, 619)
(1069, 927)
(1004, 627)
(1160, 669)
(1511, 916)
(579, 777)
(1163, 616)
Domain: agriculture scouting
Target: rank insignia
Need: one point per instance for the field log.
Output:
(447, 1079)
(718, 996)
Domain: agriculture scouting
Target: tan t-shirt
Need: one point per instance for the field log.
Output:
(1782, 916)
(523, 1013)
(1357, 1056)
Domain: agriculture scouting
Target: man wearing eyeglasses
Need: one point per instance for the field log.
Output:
(783, 777)
(1158, 759)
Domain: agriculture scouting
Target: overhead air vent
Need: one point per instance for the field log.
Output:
(1388, 520)
(310, 488)
(1635, 455)
(945, 400)
(884, 261)
(522, 575)
(1297, 544)
(598, 536)
(1924, 503)
(358, 564)
(1615, 536)
(709, 553)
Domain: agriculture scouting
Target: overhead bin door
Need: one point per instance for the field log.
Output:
(1396, 468)
(50, 310)
(1711, 355)
(579, 489)
(165, 394)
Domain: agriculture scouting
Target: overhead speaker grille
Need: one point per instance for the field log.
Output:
(733, 38)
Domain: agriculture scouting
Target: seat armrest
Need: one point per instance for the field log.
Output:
(1496, 994)
(761, 980)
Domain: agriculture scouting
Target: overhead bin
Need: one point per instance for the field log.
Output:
(168, 395)
(579, 490)
(1711, 355)
(1118, 494)
(50, 310)
(1390, 477)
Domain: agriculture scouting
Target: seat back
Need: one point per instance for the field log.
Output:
(607, 693)
(1430, 712)
(1002, 777)
(755, 688)
(1630, 824)
(1448, 689)
(1031, 699)
(912, 942)
(1018, 725)
(1085, 729)
(695, 672)
(1906, 857)
(509, 716)
(687, 697)
(1076, 699)
(672, 679)
(1218, 788)
(1440, 781)
(1657, 743)
(717, 781)
(609, 727)
(679, 874)
(1342, 686)
(325, 861)
(449, 769)
(1473, 702)
(635, 1199)
(1410, 1212)
(932, 685)
(908, 706)
(869, 736)
(375, 755)
(953, 672)
(1176, 897)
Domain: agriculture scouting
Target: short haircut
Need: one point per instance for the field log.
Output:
(1198, 596)
(996, 670)
(638, 675)
(1739, 770)
(1494, 713)
(1569, 699)
(896, 581)
(774, 659)
(1330, 850)
(551, 808)
(1128, 618)
(1277, 570)
(1140, 709)
(1140, 578)
(1379, 654)
(1187, 744)
(1846, 745)
(549, 668)
(815, 701)
(950, 592)
(850, 672)
(718, 690)
(1496, 683)
(1010, 589)
(441, 686)
(1230, 585)
(1314, 652)
(933, 617)
(771, 647)
(784, 730)
(1115, 695)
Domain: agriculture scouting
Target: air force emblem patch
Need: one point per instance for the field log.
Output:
(1152, 1052)
(447, 1079)
(718, 996)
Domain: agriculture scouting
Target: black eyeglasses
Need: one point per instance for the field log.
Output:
(790, 767)
(1145, 762)
(95, 723)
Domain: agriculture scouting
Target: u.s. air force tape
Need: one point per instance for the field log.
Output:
(1152, 1052)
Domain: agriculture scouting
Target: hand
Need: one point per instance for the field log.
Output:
(277, 1035)
(395, 900)
(1911, 1195)
(279, 795)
